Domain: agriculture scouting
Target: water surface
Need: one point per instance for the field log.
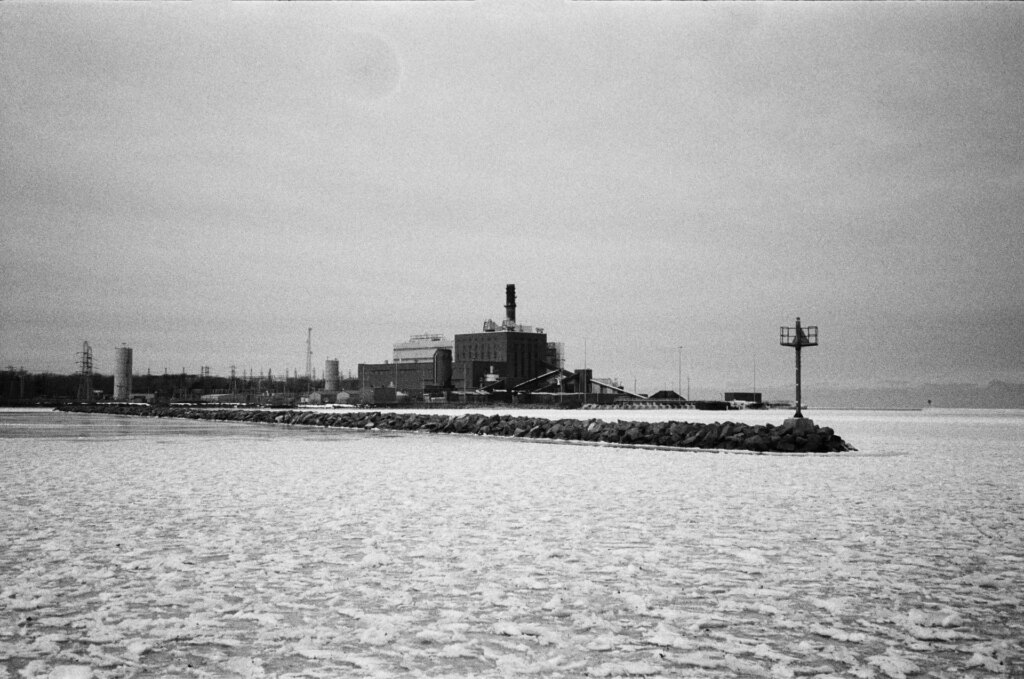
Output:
(145, 547)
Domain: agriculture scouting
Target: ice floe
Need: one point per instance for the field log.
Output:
(198, 554)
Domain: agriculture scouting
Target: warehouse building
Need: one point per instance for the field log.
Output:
(414, 378)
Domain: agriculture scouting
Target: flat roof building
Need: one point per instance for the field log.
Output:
(420, 348)
(414, 378)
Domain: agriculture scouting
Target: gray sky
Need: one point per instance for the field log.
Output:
(205, 181)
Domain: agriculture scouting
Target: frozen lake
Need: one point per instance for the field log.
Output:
(142, 547)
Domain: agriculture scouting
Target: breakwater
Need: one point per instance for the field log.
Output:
(718, 436)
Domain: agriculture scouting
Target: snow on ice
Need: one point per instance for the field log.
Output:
(198, 549)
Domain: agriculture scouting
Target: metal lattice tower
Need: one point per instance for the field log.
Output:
(85, 373)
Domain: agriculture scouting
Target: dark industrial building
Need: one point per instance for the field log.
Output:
(417, 379)
(504, 361)
(501, 355)
(748, 396)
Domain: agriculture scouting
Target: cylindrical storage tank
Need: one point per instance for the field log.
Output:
(443, 368)
(122, 374)
(331, 380)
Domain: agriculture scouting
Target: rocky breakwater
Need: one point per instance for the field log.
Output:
(793, 436)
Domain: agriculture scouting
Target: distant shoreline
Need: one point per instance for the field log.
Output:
(886, 410)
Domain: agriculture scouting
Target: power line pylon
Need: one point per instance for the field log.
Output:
(85, 374)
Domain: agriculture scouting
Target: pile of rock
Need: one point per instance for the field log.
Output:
(793, 436)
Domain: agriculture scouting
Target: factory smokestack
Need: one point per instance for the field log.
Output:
(510, 303)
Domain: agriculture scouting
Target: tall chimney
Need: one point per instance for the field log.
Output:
(510, 303)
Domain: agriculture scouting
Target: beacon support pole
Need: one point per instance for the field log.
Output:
(798, 337)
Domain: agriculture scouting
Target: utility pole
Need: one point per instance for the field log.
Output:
(309, 360)
(586, 379)
(679, 383)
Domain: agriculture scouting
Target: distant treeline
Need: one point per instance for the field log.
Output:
(20, 386)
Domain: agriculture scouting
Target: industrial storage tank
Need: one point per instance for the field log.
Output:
(331, 379)
(443, 368)
(122, 373)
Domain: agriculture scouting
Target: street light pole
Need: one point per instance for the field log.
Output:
(586, 380)
(679, 382)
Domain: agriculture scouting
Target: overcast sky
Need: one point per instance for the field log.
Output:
(204, 181)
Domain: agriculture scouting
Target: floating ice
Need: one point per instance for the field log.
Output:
(433, 636)
(457, 651)
(931, 633)
(377, 636)
(944, 618)
(507, 628)
(838, 634)
(34, 668)
(624, 669)
(374, 558)
(835, 605)
(634, 602)
(894, 666)
(605, 642)
(666, 636)
(707, 623)
(322, 554)
(71, 672)
(249, 668)
(985, 661)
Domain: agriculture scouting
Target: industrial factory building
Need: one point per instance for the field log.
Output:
(501, 355)
(381, 382)
(504, 360)
(421, 366)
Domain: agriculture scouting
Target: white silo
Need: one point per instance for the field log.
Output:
(122, 373)
(331, 380)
